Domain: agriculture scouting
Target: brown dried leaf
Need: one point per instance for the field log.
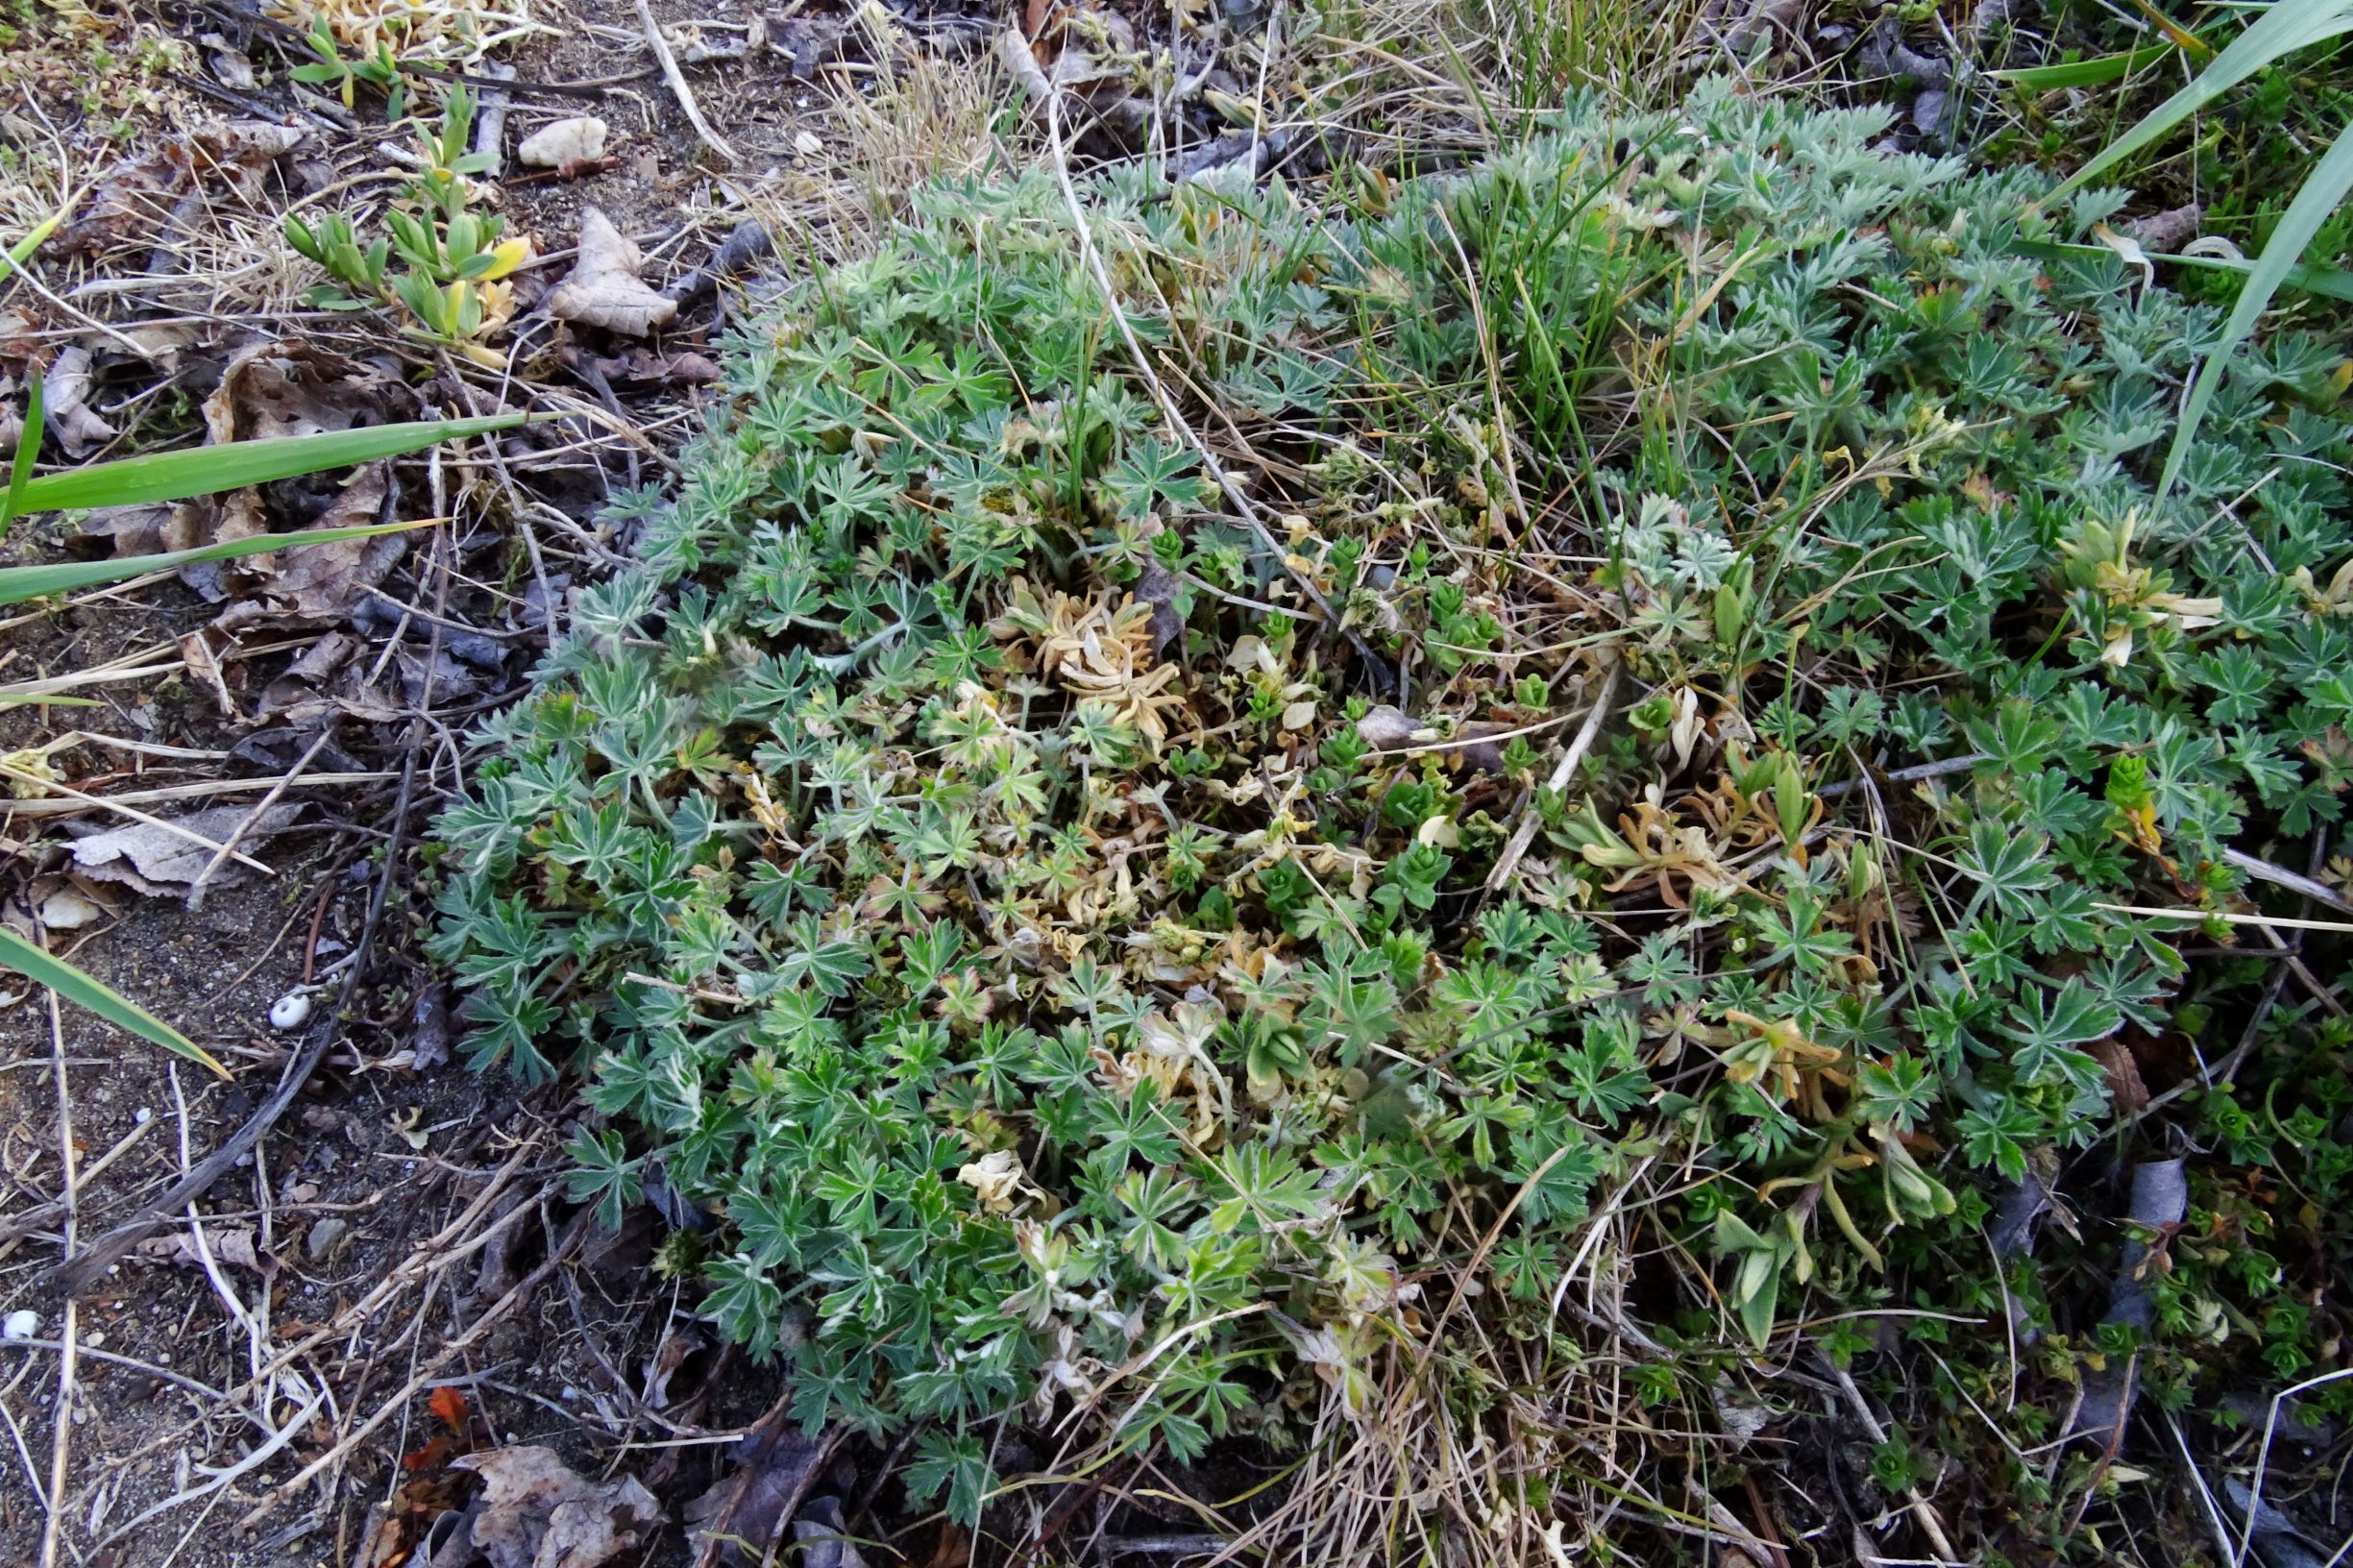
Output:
(138, 195)
(147, 530)
(132, 201)
(156, 861)
(280, 389)
(71, 424)
(1157, 586)
(604, 289)
(231, 1245)
(2124, 1085)
(738, 1518)
(536, 1514)
(288, 388)
(204, 664)
(318, 584)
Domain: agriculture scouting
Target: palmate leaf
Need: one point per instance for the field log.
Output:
(43, 967)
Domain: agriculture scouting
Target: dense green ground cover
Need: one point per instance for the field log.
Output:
(1038, 909)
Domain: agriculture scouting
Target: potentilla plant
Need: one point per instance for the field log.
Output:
(1037, 915)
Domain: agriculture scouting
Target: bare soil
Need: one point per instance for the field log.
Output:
(402, 1229)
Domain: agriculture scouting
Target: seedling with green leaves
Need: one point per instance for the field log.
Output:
(450, 257)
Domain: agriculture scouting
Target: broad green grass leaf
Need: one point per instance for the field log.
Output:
(203, 471)
(19, 583)
(2333, 282)
(28, 444)
(45, 969)
(2287, 26)
(2087, 73)
(2323, 189)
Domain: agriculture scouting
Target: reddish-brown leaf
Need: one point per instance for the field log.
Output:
(449, 1405)
(433, 1456)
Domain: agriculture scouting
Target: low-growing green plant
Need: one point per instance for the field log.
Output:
(452, 261)
(2284, 28)
(377, 68)
(968, 866)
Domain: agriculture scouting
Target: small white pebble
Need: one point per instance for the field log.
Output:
(807, 146)
(22, 1324)
(97, 1338)
(142, 1115)
(290, 1010)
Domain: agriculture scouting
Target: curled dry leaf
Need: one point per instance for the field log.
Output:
(280, 389)
(232, 1246)
(153, 860)
(65, 399)
(138, 195)
(318, 584)
(604, 289)
(741, 1516)
(575, 140)
(535, 1514)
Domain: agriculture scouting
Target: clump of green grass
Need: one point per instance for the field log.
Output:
(1045, 918)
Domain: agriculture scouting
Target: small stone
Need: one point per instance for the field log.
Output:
(290, 1010)
(324, 1238)
(68, 910)
(142, 1115)
(22, 1324)
(566, 141)
(807, 146)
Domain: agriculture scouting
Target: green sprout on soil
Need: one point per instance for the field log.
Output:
(451, 259)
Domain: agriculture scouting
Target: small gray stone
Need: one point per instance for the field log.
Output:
(325, 1237)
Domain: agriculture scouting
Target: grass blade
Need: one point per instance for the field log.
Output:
(202, 470)
(28, 447)
(2327, 185)
(2086, 73)
(2287, 26)
(19, 583)
(2333, 282)
(42, 968)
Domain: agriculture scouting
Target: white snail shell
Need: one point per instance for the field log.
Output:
(290, 1010)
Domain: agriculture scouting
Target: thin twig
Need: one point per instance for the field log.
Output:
(1907, 775)
(60, 1440)
(678, 88)
(2279, 876)
(1579, 743)
(229, 844)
